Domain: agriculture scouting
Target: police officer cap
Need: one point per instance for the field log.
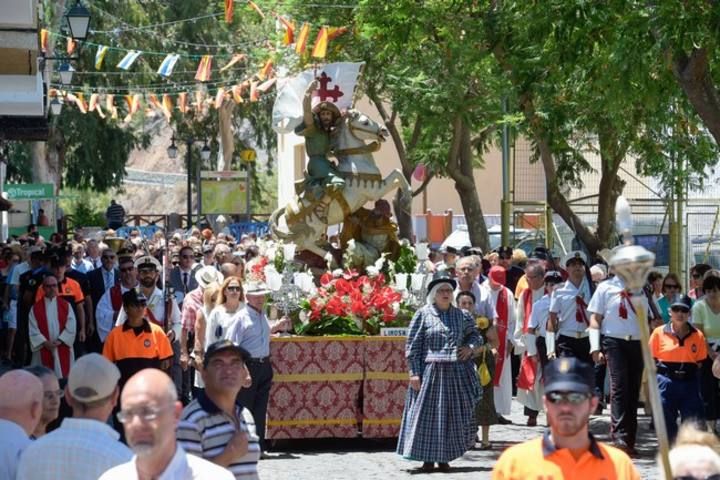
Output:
(574, 255)
(504, 251)
(568, 374)
(553, 276)
(450, 249)
(147, 261)
(133, 297)
(682, 302)
(540, 253)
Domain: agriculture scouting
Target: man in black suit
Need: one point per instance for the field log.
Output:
(101, 279)
(182, 278)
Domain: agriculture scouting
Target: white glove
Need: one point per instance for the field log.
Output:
(550, 343)
(530, 346)
(594, 340)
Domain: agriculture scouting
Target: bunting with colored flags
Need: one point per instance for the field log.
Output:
(133, 103)
(152, 98)
(110, 106)
(266, 85)
(70, 46)
(321, 43)
(229, 10)
(289, 36)
(94, 100)
(237, 92)
(44, 40)
(167, 65)
(204, 69)
(334, 32)
(167, 106)
(129, 59)
(182, 102)
(266, 70)
(254, 93)
(301, 43)
(100, 56)
(256, 8)
(199, 99)
(235, 59)
(78, 100)
(219, 98)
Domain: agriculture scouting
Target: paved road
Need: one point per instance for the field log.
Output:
(364, 459)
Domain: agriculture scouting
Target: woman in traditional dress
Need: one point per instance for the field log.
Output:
(485, 410)
(444, 387)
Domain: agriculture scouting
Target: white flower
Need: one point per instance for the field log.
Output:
(337, 273)
(372, 270)
(395, 308)
(304, 317)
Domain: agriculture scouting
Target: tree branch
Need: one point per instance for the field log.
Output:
(424, 184)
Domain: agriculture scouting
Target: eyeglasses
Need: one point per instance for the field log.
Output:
(445, 290)
(146, 414)
(573, 398)
(127, 269)
(680, 309)
(233, 289)
(52, 394)
(671, 285)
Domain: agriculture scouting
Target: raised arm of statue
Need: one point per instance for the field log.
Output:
(307, 103)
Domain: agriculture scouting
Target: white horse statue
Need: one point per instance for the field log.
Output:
(363, 183)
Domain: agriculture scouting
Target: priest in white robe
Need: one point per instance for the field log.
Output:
(52, 328)
(504, 302)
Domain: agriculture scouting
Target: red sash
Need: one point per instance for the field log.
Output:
(624, 301)
(501, 308)
(151, 317)
(528, 365)
(46, 356)
(116, 297)
(581, 311)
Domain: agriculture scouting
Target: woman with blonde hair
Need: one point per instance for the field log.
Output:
(226, 313)
(210, 297)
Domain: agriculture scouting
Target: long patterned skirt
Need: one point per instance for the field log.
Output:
(438, 423)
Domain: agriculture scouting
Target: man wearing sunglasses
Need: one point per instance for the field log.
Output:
(111, 302)
(678, 349)
(567, 450)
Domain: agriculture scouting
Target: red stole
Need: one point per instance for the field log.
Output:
(151, 317)
(581, 310)
(501, 308)
(116, 297)
(528, 365)
(46, 356)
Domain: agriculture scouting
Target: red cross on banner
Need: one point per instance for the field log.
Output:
(324, 93)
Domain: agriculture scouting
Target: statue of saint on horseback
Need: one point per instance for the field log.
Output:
(329, 193)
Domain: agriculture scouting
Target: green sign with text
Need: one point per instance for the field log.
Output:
(30, 191)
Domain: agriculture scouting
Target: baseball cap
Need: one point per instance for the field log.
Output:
(221, 346)
(133, 297)
(92, 377)
(682, 302)
(568, 374)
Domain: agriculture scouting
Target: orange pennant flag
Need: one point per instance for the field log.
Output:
(204, 69)
(99, 111)
(301, 43)
(71, 46)
(133, 103)
(94, 100)
(266, 70)
(167, 106)
(182, 102)
(154, 101)
(334, 32)
(289, 36)
(78, 100)
(44, 40)
(237, 91)
(110, 105)
(254, 93)
(266, 85)
(229, 10)
(235, 59)
(256, 8)
(321, 43)
(219, 98)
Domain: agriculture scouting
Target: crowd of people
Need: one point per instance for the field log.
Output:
(510, 319)
(134, 358)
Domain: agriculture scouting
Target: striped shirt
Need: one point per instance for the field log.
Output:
(205, 431)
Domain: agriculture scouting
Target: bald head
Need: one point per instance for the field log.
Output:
(21, 395)
(151, 382)
(229, 270)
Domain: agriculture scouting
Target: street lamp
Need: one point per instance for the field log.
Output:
(78, 19)
(56, 106)
(172, 152)
(66, 73)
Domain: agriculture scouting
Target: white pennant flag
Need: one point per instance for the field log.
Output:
(167, 65)
(128, 59)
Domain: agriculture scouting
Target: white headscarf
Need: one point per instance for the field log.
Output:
(430, 298)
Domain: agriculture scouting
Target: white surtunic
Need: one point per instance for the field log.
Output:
(67, 336)
(503, 392)
(531, 399)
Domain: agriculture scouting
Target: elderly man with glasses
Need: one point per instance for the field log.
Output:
(111, 302)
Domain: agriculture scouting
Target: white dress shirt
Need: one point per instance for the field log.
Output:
(13, 440)
(181, 467)
(104, 314)
(157, 305)
(484, 304)
(81, 449)
(564, 304)
(539, 316)
(606, 302)
(520, 336)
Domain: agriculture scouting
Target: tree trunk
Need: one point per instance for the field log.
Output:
(611, 186)
(460, 169)
(694, 77)
(404, 217)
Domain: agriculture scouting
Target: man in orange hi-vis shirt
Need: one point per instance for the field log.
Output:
(678, 348)
(567, 451)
